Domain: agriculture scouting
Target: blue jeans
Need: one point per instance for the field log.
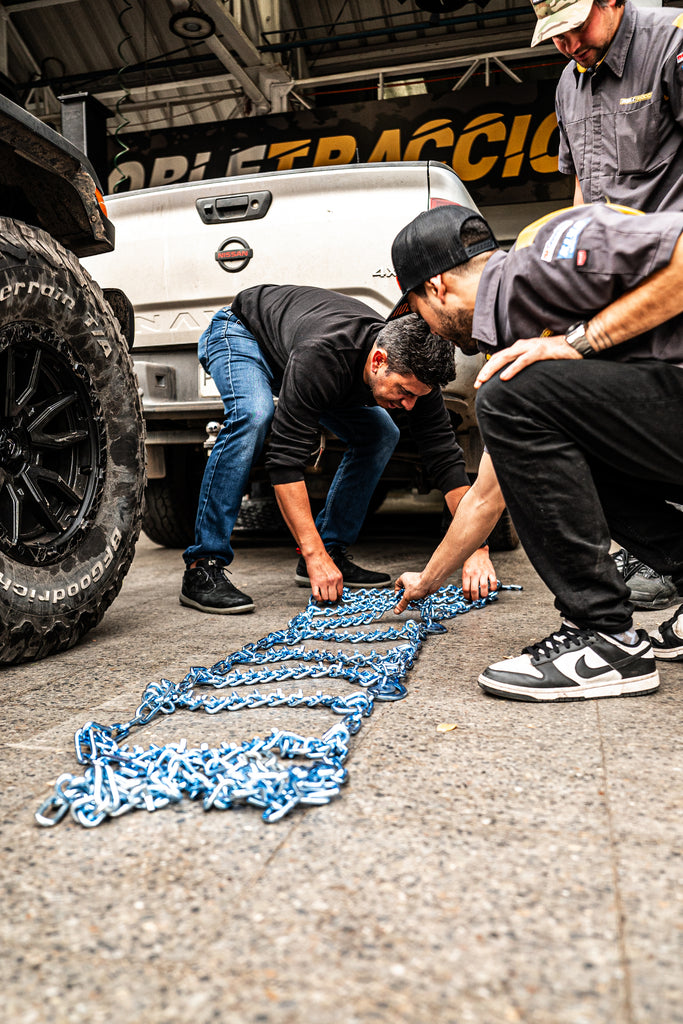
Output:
(230, 353)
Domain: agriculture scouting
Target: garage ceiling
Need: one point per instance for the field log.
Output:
(169, 63)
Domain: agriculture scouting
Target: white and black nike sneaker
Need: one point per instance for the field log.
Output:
(575, 664)
(667, 641)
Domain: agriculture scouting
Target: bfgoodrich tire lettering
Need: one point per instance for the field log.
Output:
(71, 448)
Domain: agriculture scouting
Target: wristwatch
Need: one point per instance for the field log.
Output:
(576, 337)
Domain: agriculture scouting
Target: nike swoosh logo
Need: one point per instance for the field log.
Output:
(586, 672)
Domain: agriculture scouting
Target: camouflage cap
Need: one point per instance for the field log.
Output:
(558, 16)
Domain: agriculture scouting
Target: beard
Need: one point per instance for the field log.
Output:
(456, 326)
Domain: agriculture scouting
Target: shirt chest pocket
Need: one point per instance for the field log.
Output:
(576, 132)
(638, 146)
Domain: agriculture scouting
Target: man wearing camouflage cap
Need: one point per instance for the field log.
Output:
(619, 101)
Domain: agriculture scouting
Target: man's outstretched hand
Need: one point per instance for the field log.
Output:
(478, 580)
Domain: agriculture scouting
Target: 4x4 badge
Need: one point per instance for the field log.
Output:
(233, 255)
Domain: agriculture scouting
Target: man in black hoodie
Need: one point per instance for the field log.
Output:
(333, 362)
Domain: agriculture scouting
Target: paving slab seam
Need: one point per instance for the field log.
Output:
(620, 912)
(25, 745)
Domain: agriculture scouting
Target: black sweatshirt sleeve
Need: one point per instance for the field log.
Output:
(309, 389)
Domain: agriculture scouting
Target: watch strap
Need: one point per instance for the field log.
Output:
(576, 337)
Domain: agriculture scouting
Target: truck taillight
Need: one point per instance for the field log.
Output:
(433, 203)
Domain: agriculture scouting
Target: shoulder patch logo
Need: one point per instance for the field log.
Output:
(551, 243)
(571, 239)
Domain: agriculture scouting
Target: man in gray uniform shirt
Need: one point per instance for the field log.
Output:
(619, 101)
(619, 107)
(586, 443)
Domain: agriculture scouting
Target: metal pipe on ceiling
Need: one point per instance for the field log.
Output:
(369, 33)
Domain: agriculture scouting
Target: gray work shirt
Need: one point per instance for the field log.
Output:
(566, 268)
(621, 124)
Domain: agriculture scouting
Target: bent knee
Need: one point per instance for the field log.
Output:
(252, 420)
(380, 432)
(391, 432)
(384, 438)
(259, 417)
(528, 389)
(490, 397)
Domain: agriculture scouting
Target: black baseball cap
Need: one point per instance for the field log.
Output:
(431, 244)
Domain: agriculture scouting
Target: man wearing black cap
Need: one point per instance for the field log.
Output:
(586, 443)
(619, 105)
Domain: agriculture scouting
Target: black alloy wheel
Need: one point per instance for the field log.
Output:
(52, 445)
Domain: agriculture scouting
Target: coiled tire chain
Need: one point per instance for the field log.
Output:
(71, 448)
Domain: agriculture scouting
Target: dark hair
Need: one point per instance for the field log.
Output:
(411, 348)
(474, 230)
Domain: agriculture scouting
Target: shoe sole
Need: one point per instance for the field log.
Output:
(239, 610)
(303, 581)
(653, 606)
(675, 655)
(636, 687)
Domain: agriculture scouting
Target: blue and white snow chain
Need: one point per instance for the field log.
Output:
(119, 778)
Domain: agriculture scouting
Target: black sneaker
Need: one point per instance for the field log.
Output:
(352, 574)
(667, 641)
(207, 588)
(648, 589)
(575, 664)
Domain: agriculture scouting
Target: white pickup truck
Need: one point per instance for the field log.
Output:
(185, 250)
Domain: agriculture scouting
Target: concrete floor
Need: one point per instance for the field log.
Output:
(525, 866)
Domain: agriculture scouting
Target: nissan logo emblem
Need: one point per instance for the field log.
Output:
(233, 255)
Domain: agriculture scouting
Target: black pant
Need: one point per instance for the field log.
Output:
(585, 451)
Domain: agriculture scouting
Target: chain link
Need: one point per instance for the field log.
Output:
(118, 779)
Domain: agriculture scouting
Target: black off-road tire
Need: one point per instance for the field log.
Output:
(71, 448)
(170, 507)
